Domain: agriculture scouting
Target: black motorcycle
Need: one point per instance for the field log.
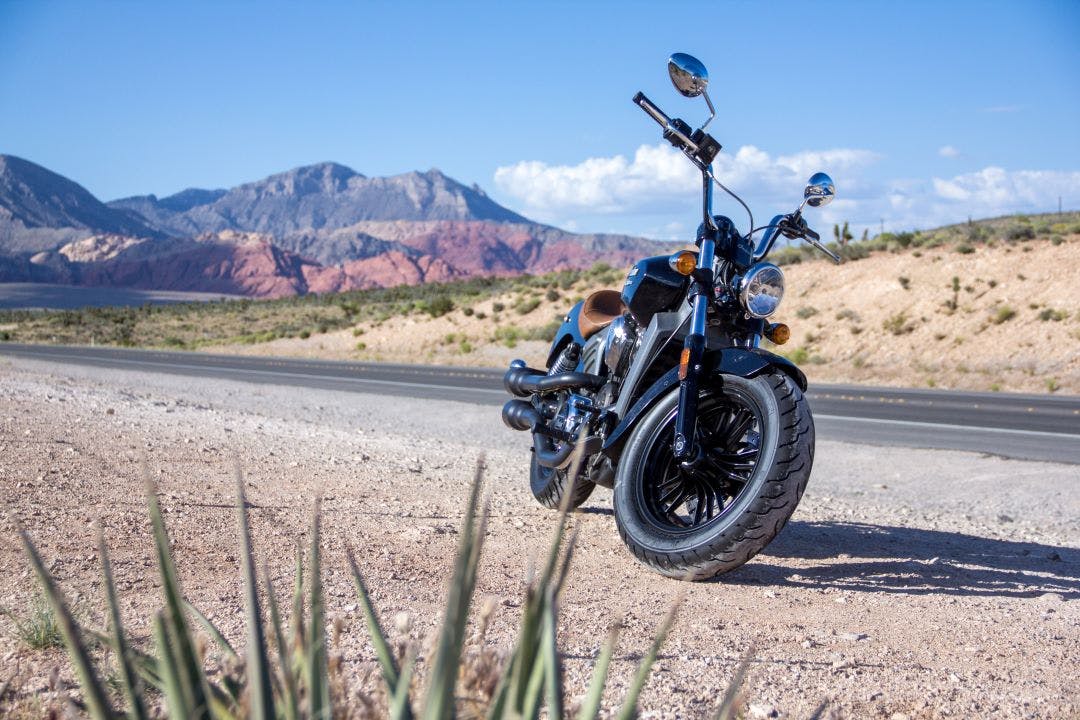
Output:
(662, 393)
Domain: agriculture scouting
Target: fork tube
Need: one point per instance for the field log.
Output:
(694, 345)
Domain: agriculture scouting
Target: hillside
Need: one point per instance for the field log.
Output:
(991, 306)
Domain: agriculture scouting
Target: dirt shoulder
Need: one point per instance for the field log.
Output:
(925, 583)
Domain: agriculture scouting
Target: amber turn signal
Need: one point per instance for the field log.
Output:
(684, 363)
(683, 262)
(778, 333)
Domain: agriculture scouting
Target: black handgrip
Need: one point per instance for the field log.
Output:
(811, 234)
(656, 113)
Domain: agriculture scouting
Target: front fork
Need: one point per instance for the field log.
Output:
(690, 362)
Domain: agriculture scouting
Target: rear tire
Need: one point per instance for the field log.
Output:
(549, 485)
(693, 524)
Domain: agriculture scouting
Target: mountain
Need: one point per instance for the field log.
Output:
(40, 210)
(318, 228)
(326, 196)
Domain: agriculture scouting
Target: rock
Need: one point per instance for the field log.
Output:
(853, 636)
(762, 710)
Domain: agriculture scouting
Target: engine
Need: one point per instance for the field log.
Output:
(619, 345)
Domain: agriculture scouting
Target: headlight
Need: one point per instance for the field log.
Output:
(762, 289)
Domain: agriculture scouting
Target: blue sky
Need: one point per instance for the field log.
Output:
(923, 112)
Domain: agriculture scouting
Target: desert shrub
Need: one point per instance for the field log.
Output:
(438, 306)
(37, 629)
(508, 336)
(904, 282)
(361, 345)
(497, 307)
(305, 334)
(552, 295)
(964, 249)
(481, 315)
(1048, 314)
(847, 314)
(546, 332)
(1019, 232)
(898, 324)
(1003, 314)
(807, 311)
(357, 332)
(467, 312)
(526, 305)
(303, 677)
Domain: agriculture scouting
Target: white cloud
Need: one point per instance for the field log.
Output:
(657, 176)
(948, 151)
(651, 191)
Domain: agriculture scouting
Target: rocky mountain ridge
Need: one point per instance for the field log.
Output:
(318, 228)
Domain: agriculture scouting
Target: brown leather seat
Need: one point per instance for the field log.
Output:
(600, 310)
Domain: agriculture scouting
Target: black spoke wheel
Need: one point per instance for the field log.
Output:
(687, 496)
(701, 517)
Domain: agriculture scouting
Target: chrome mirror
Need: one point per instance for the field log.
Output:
(688, 75)
(691, 79)
(819, 190)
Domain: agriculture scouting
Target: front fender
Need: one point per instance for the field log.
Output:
(568, 332)
(744, 362)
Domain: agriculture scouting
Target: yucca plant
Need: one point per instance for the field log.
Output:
(296, 682)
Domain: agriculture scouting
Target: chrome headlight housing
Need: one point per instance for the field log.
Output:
(761, 289)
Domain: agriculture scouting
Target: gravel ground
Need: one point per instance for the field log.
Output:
(910, 583)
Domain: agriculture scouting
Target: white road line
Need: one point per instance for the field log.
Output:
(272, 373)
(946, 426)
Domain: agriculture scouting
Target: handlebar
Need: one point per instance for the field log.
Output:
(654, 112)
(676, 131)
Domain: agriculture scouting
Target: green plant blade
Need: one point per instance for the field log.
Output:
(290, 699)
(177, 631)
(552, 663)
(378, 637)
(318, 685)
(175, 697)
(260, 689)
(128, 680)
(399, 702)
(96, 698)
(212, 631)
(629, 707)
(590, 708)
(439, 703)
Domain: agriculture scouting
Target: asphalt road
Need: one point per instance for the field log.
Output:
(1030, 427)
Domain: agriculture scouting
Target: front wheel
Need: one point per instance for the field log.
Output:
(694, 520)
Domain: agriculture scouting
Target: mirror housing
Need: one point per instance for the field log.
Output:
(820, 190)
(688, 74)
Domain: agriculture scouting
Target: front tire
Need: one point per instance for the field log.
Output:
(756, 449)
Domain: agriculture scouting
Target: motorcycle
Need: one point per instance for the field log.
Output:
(662, 393)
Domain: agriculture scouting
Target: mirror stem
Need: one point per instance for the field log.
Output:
(712, 110)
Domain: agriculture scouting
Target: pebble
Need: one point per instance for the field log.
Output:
(853, 636)
(761, 710)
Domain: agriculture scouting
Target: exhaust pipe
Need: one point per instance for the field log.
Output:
(520, 415)
(524, 381)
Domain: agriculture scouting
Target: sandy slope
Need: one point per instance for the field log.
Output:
(884, 320)
(911, 582)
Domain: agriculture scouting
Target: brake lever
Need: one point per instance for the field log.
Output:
(814, 239)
